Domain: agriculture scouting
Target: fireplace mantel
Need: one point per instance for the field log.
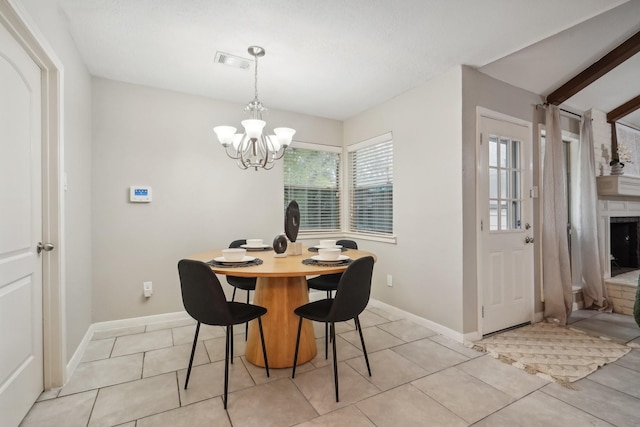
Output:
(618, 185)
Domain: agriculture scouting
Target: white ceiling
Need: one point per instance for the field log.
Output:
(336, 58)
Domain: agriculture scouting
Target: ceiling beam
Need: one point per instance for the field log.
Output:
(623, 110)
(598, 69)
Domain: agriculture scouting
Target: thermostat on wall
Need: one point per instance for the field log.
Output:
(140, 193)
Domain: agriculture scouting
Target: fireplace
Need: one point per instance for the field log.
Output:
(625, 245)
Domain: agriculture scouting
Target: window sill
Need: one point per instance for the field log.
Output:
(373, 237)
(341, 235)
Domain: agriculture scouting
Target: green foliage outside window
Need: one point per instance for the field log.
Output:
(311, 178)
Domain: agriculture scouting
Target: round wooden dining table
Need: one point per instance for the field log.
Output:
(281, 287)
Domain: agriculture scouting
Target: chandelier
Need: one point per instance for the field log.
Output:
(254, 149)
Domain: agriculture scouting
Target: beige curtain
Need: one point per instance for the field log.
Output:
(588, 271)
(558, 296)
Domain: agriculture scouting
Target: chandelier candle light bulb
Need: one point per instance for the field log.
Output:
(253, 149)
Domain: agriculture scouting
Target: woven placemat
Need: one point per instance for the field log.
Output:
(266, 248)
(309, 261)
(312, 249)
(214, 263)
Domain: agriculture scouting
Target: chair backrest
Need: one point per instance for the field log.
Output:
(238, 243)
(353, 291)
(349, 244)
(202, 294)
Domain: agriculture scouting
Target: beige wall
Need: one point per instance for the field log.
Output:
(434, 129)
(601, 142)
(201, 199)
(426, 262)
(77, 164)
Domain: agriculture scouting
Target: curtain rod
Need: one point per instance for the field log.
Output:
(544, 107)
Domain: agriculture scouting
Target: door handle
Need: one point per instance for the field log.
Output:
(47, 247)
(528, 239)
(527, 226)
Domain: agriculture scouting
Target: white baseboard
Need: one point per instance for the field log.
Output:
(116, 324)
(138, 321)
(313, 296)
(436, 327)
(77, 355)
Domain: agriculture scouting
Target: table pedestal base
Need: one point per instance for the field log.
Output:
(280, 296)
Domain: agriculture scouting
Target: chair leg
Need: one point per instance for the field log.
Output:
(335, 359)
(229, 338)
(326, 330)
(246, 325)
(233, 297)
(295, 354)
(264, 347)
(326, 340)
(364, 349)
(193, 352)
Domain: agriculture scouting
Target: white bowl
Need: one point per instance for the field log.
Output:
(254, 243)
(329, 254)
(327, 243)
(234, 254)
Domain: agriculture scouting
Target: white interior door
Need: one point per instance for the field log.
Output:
(505, 212)
(21, 354)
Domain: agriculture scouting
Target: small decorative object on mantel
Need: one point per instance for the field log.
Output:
(621, 153)
(616, 167)
(291, 227)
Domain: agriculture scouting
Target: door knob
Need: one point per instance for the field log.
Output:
(47, 247)
(528, 239)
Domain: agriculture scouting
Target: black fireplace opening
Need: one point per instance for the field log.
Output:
(625, 248)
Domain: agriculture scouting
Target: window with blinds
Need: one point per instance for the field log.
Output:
(371, 186)
(311, 178)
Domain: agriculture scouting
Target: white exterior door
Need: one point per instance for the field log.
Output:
(21, 347)
(505, 210)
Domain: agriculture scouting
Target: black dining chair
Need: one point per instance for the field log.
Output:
(329, 283)
(245, 283)
(350, 300)
(205, 301)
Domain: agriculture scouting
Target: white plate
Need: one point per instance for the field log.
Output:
(226, 261)
(328, 247)
(254, 247)
(340, 258)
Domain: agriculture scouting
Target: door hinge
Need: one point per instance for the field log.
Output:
(483, 311)
(481, 225)
(480, 138)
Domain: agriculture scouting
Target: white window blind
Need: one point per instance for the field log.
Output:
(312, 178)
(371, 187)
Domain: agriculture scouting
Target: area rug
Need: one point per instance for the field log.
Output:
(557, 353)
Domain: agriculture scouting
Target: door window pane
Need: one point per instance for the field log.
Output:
(505, 184)
(493, 151)
(504, 150)
(493, 183)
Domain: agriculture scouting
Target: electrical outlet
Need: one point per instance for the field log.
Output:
(147, 288)
(389, 280)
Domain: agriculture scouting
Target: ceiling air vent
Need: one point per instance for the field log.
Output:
(232, 60)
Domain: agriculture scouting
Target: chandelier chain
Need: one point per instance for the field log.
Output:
(255, 85)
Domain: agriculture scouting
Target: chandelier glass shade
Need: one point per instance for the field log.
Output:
(254, 149)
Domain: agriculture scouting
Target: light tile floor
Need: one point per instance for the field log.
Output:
(134, 377)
